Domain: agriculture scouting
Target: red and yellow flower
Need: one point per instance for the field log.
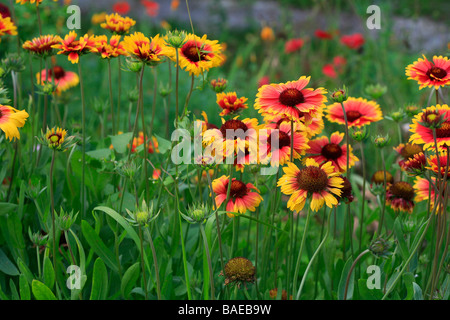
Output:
(10, 120)
(430, 74)
(62, 79)
(360, 112)
(437, 117)
(198, 55)
(439, 167)
(321, 183)
(424, 191)
(118, 24)
(407, 151)
(282, 154)
(111, 49)
(73, 48)
(43, 45)
(7, 27)
(290, 99)
(326, 149)
(242, 196)
(230, 103)
(151, 51)
(399, 196)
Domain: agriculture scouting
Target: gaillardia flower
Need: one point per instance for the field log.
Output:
(430, 74)
(230, 103)
(63, 80)
(407, 151)
(437, 117)
(326, 149)
(151, 51)
(360, 112)
(290, 99)
(118, 24)
(439, 168)
(282, 154)
(55, 138)
(10, 120)
(321, 183)
(426, 192)
(399, 196)
(239, 270)
(73, 48)
(198, 55)
(111, 49)
(7, 27)
(415, 165)
(243, 196)
(42, 46)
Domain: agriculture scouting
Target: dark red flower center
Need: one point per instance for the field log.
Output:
(4, 11)
(312, 179)
(402, 190)
(233, 124)
(193, 53)
(444, 130)
(332, 151)
(238, 189)
(284, 140)
(57, 71)
(436, 73)
(353, 115)
(291, 97)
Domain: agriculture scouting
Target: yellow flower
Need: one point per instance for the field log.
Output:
(198, 55)
(118, 24)
(267, 34)
(7, 27)
(98, 18)
(55, 138)
(10, 120)
(321, 183)
(147, 50)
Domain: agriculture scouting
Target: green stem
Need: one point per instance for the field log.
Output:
(52, 203)
(347, 281)
(299, 292)
(111, 101)
(155, 263)
(302, 245)
(142, 262)
(208, 257)
(83, 146)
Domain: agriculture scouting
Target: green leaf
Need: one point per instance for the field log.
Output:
(6, 266)
(130, 231)
(341, 288)
(24, 288)
(129, 279)
(417, 292)
(163, 144)
(366, 293)
(98, 245)
(121, 141)
(49, 273)
(398, 231)
(6, 207)
(24, 270)
(100, 153)
(408, 279)
(99, 281)
(41, 291)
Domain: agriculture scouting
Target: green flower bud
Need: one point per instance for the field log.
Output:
(380, 247)
(376, 91)
(176, 39)
(381, 141)
(219, 85)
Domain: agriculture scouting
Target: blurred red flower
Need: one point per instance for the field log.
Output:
(329, 71)
(263, 81)
(339, 61)
(321, 34)
(353, 41)
(121, 7)
(293, 45)
(151, 6)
